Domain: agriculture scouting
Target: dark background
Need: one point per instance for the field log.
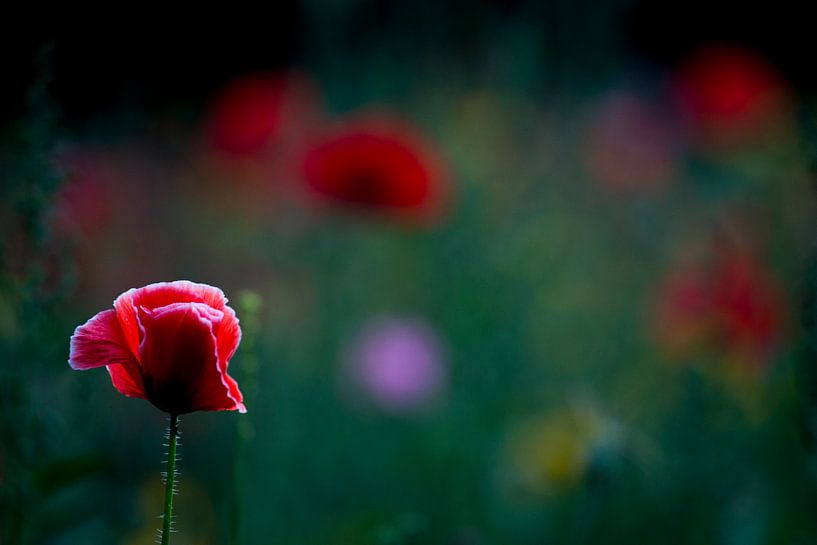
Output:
(159, 58)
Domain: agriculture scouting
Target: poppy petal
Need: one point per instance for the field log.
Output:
(378, 165)
(158, 295)
(127, 379)
(228, 337)
(99, 341)
(162, 294)
(179, 359)
(234, 393)
(126, 314)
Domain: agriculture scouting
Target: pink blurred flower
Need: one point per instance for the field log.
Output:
(88, 201)
(398, 364)
(83, 206)
(102, 208)
(630, 145)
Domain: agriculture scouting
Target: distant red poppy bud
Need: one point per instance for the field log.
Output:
(169, 343)
(377, 166)
(254, 110)
(729, 88)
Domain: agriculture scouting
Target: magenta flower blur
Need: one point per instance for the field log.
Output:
(398, 364)
(630, 145)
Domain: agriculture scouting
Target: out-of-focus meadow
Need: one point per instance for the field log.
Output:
(505, 273)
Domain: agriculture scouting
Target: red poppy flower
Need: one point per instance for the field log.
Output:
(377, 166)
(749, 307)
(729, 88)
(169, 343)
(683, 309)
(733, 304)
(254, 110)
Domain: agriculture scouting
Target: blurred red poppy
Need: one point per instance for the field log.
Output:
(748, 305)
(377, 165)
(256, 109)
(729, 88)
(733, 303)
(684, 309)
(169, 343)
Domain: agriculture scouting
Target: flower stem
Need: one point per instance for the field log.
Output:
(170, 478)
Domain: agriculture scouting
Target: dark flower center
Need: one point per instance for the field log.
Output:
(365, 186)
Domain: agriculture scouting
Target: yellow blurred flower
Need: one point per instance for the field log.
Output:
(553, 452)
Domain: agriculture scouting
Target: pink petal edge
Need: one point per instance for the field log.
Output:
(162, 294)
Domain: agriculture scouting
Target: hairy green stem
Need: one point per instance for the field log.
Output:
(170, 478)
